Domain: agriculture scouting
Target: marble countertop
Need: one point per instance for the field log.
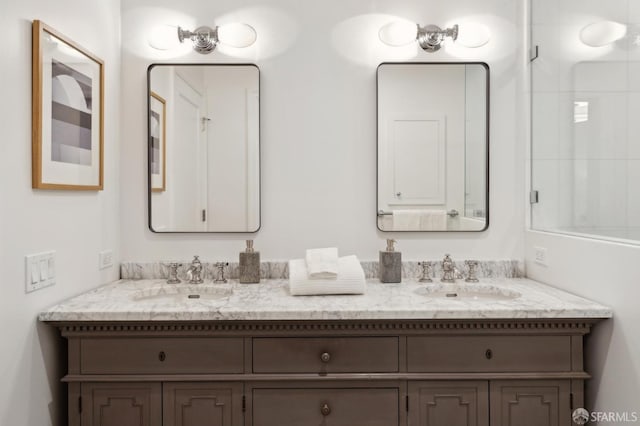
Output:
(154, 300)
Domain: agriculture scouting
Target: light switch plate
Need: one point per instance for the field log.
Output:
(540, 256)
(40, 271)
(106, 259)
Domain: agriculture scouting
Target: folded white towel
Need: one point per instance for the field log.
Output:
(322, 263)
(350, 279)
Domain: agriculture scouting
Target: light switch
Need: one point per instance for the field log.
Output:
(44, 269)
(52, 267)
(34, 272)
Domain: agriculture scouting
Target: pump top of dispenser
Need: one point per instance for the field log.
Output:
(390, 245)
(249, 248)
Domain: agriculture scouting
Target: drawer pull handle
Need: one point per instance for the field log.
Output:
(162, 356)
(488, 354)
(325, 357)
(325, 409)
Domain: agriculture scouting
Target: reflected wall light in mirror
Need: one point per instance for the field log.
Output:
(599, 34)
(204, 38)
(431, 37)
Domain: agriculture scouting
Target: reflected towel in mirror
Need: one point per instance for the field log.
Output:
(419, 220)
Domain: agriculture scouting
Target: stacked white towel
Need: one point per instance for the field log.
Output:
(350, 279)
(322, 263)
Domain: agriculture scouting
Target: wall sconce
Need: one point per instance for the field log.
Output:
(205, 39)
(431, 37)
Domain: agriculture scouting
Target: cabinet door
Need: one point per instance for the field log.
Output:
(530, 403)
(202, 404)
(118, 404)
(450, 403)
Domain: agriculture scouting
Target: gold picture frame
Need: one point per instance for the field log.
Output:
(67, 113)
(158, 142)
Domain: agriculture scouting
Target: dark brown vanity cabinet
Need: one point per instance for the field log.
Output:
(331, 373)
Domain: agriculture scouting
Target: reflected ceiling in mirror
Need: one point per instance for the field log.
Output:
(433, 147)
(204, 147)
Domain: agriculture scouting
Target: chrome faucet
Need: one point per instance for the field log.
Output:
(449, 270)
(194, 273)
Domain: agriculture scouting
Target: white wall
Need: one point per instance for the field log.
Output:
(318, 66)
(606, 272)
(77, 225)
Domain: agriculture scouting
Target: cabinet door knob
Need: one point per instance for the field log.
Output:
(325, 409)
(488, 354)
(162, 356)
(325, 357)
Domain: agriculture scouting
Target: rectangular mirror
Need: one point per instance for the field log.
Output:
(433, 147)
(204, 147)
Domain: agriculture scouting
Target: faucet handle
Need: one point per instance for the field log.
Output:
(173, 273)
(220, 276)
(472, 265)
(427, 271)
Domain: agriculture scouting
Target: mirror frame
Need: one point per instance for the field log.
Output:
(487, 133)
(149, 153)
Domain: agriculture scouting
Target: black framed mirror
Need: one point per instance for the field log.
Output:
(433, 147)
(204, 147)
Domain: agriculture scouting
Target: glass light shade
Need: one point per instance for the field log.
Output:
(473, 35)
(237, 35)
(164, 37)
(398, 33)
(602, 33)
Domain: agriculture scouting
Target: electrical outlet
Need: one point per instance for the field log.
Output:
(106, 259)
(40, 271)
(540, 256)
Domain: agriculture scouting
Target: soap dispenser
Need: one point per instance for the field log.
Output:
(249, 265)
(390, 265)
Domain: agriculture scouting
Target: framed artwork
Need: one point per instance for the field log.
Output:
(158, 141)
(68, 113)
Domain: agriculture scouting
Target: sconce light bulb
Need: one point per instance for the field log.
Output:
(398, 33)
(163, 37)
(473, 35)
(237, 35)
(603, 33)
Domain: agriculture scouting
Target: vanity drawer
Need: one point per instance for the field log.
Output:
(161, 356)
(325, 355)
(334, 406)
(467, 354)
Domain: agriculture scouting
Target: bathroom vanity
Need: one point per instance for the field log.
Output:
(144, 353)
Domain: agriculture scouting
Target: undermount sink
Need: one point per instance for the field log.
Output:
(180, 292)
(467, 292)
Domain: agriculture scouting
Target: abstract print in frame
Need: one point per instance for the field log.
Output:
(158, 142)
(68, 116)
